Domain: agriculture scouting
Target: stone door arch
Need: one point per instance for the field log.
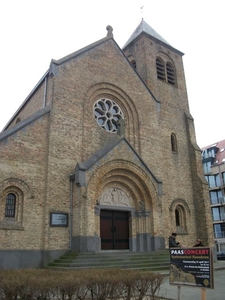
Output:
(123, 186)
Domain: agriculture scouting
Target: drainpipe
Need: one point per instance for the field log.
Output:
(72, 178)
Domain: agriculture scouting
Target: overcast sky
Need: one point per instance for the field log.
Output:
(35, 31)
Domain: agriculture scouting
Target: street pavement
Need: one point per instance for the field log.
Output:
(194, 293)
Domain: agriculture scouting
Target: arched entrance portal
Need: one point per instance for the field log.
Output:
(119, 206)
(114, 230)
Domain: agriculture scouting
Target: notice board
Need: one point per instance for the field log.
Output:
(192, 266)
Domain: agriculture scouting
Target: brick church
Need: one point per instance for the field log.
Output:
(102, 156)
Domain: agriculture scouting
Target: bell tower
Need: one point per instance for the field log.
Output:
(158, 64)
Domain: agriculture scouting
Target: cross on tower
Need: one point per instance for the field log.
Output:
(142, 10)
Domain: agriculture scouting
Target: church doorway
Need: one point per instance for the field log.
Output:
(114, 230)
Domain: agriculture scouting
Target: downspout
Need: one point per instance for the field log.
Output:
(72, 178)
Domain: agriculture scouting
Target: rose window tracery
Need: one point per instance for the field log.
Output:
(107, 113)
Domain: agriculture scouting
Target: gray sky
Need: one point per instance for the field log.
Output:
(35, 31)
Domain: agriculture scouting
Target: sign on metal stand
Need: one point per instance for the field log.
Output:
(192, 267)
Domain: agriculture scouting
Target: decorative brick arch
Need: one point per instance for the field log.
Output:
(19, 188)
(179, 210)
(16, 182)
(126, 175)
(144, 200)
(181, 202)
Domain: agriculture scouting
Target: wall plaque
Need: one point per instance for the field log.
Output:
(59, 219)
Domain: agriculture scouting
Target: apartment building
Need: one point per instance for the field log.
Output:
(213, 160)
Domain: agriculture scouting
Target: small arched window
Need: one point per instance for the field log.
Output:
(10, 205)
(160, 69)
(173, 142)
(170, 73)
(180, 217)
(177, 217)
(133, 62)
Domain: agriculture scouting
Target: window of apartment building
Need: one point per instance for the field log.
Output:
(216, 197)
(207, 167)
(213, 180)
(218, 213)
(219, 230)
(10, 206)
(211, 153)
(223, 176)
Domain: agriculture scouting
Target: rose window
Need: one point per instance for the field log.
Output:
(107, 113)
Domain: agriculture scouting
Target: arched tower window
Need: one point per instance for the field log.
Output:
(170, 73)
(173, 142)
(133, 62)
(10, 206)
(160, 69)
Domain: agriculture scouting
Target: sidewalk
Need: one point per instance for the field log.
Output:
(194, 293)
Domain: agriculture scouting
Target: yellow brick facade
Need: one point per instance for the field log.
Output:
(55, 158)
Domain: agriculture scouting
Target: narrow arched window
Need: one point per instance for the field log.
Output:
(133, 62)
(177, 217)
(173, 142)
(10, 206)
(180, 217)
(170, 73)
(160, 69)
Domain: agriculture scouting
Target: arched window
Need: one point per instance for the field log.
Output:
(10, 205)
(165, 71)
(177, 217)
(133, 62)
(160, 69)
(180, 217)
(170, 73)
(173, 142)
(107, 114)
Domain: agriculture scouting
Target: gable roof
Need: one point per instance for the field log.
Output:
(80, 51)
(82, 167)
(52, 71)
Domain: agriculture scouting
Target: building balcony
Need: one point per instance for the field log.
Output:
(217, 201)
(208, 155)
(219, 235)
(207, 170)
(217, 184)
(219, 218)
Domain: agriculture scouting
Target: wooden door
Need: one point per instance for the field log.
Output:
(114, 230)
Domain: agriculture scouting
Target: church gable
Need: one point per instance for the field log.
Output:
(99, 73)
(119, 149)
